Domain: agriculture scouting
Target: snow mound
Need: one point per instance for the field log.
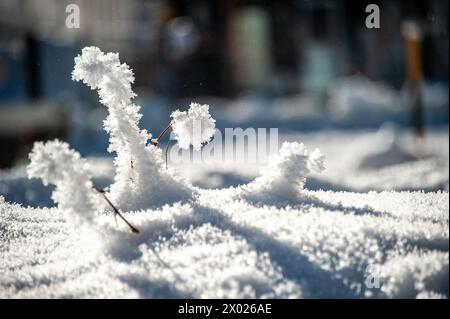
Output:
(55, 163)
(416, 275)
(141, 181)
(387, 150)
(356, 98)
(283, 179)
(193, 127)
(270, 238)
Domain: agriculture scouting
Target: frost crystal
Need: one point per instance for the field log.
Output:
(141, 180)
(194, 127)
(55, 163)
(284, 177)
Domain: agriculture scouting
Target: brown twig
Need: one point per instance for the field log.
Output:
(115, 210)
(162, 134)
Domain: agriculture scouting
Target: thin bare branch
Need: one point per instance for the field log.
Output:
(115, 210)
(162, 134)
(167, 150)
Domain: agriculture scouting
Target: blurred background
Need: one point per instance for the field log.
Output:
(301, 66)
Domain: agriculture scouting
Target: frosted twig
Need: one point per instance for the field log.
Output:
(193, 127)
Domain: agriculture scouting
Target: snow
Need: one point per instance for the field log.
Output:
(357, 97)
(281, 181)
(222, 245)
(140, 178)
(367, 222)
(225, 247)
(193, 127)
(393, 161)
(55, 163)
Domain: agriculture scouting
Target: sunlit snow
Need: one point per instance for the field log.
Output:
(348, 221)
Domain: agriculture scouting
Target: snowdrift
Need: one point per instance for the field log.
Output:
(269, 238)
(225, 247)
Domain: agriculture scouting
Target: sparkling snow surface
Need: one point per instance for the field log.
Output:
(220, 245)
(223, 246)
(373, 224)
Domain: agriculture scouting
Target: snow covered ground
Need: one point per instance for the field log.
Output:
(228, 248)
(224, 246)
(356, 161)
(373, 224)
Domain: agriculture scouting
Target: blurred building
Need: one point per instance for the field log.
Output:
(181, 48)
(190, 48)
